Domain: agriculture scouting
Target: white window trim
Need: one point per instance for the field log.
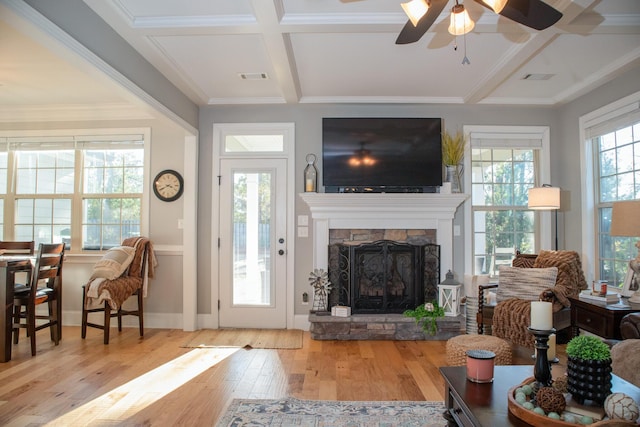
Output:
(589, 231)
(146, 132)
(544, 238)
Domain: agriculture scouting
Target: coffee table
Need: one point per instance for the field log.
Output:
(478, 405)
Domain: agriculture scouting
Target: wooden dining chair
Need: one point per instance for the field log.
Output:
(45, 286)
(114, 292)
(9, 247)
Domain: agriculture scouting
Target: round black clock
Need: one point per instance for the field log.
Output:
(168, 185)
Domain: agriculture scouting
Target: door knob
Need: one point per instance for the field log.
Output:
(281, 252)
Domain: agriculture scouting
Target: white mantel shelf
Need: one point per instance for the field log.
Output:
(383, 211)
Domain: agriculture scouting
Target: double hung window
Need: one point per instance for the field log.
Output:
(505, 162)
(612, 136)
(83, 190)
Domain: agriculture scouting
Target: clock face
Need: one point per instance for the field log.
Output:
(168, 185)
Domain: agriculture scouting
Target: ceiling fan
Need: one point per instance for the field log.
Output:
(532, 13)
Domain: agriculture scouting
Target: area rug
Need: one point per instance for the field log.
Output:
(253, 338)
(317, 413)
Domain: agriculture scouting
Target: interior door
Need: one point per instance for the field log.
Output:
(253, 280)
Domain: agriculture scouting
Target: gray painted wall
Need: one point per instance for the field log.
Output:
(308, 122)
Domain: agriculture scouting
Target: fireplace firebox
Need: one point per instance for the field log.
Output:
(385, 276)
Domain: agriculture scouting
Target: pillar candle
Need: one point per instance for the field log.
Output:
(551, 353)
(541, 315)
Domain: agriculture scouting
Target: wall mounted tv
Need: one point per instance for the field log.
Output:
(381, 154)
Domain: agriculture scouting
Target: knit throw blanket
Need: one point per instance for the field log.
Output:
(116, 291)
(511, 320)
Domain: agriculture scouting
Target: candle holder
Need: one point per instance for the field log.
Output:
(542, 367)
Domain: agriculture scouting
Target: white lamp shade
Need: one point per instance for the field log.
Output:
(625, 219)
(544, 198)
(415, 9)
(496, 5)
(461, 22)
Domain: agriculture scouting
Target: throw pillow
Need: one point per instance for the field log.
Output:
(113, 263)
(524, 283)
(570, 275)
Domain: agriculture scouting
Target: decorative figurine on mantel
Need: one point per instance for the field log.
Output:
(319, 280)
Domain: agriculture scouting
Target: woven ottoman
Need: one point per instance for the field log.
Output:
(457, 348)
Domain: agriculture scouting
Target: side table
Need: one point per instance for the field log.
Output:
(599, 318)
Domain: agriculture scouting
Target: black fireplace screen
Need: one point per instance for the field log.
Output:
(385, 276)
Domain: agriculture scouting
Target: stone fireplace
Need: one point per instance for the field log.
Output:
(427, 217)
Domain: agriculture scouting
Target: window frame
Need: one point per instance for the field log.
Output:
(512, 137)
(79, 134)
(607, 116)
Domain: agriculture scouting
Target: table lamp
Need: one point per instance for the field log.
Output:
(545, 198)
(625, 221)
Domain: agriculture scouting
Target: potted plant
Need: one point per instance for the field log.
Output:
(426, 315)
(453, 146)
(588, 369)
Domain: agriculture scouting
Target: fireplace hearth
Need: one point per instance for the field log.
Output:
(384, 276)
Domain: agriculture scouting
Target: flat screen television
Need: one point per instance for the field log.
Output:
(381, 154)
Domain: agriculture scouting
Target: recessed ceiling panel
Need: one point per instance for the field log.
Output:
(573, 64)
(214, 63)
(345, 6)
(165, 8)
(372, 65)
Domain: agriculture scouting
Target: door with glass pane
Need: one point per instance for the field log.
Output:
(253, 243)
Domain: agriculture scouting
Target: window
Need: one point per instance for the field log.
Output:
(504, 164)
(613, 137)
(83, 190)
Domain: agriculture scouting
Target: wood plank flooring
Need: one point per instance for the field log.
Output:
(153, 381)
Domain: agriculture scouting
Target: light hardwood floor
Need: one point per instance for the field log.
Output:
(154, 381)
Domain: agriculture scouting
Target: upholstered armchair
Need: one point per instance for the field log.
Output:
(549, 276)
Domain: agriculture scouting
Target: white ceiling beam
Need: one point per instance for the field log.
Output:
(278, 45)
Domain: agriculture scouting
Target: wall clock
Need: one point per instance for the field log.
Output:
(168, 185)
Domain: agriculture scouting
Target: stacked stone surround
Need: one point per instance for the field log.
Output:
(380, 327)
(358, 236)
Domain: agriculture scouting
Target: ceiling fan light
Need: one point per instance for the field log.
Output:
(415, 9)
(461, 22)
(496, 5)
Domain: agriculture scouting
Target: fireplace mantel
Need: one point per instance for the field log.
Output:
(383, 211)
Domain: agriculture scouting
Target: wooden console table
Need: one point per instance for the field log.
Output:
(599, 318)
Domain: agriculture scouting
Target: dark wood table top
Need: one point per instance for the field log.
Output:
(623, 306)
(488, 402)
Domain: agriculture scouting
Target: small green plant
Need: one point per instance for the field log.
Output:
(587, 347)
(426, 315)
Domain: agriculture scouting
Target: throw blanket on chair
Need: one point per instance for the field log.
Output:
(511, 320)
(116, 291)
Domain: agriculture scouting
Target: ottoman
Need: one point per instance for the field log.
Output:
(457, 348)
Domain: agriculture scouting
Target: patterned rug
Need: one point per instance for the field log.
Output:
(316, 413)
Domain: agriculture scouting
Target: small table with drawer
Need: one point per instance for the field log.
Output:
(600, 318)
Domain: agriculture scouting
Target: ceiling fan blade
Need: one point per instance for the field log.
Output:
(411, 34)
(533, 13)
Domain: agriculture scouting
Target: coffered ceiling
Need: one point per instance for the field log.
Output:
(333, 51)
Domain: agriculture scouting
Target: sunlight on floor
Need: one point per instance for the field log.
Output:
(143, 391)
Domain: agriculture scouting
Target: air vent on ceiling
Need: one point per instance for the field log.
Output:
(537, 76)
(253, 76)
